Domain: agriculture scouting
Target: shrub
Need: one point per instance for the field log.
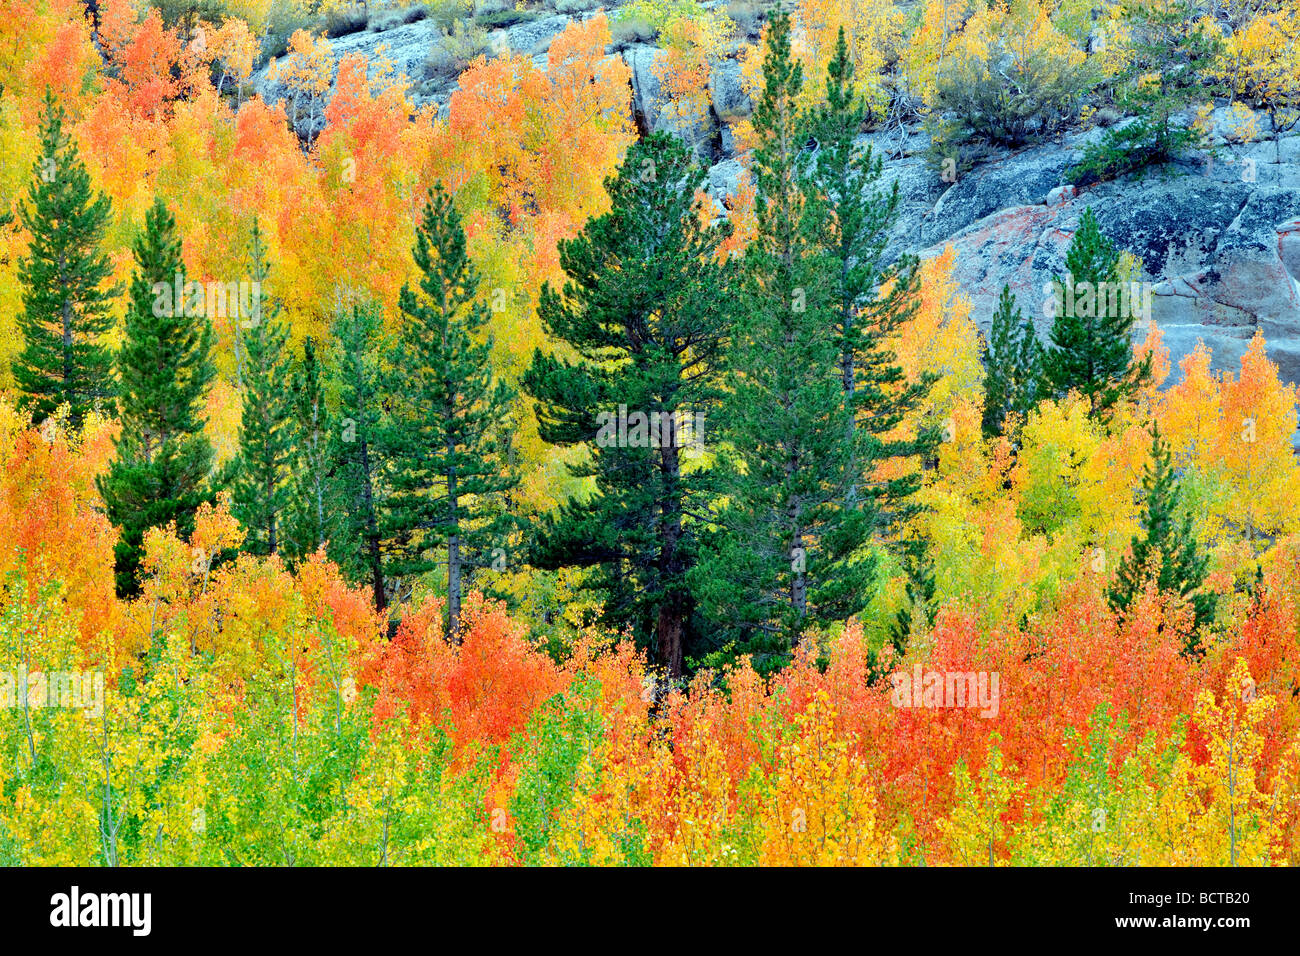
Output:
(454, 51)
(748, 16)
(576, 6)
(1012, 78)
(505, 18)
(390, 19)
(189, 11)
(953, 151)
(342, 20)
(283, 20)
(445, 13)
(1129, 148)
(626, 30)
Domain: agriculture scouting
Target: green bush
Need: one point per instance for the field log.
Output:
(282, 21)
(625, 30)
(445, 13)
(576, 6)
(389, 19)
(1011, 98)
(454, 51)
(748, 16)
(189, 12)
(505, 18)
(953, 150)
(340, 21)
(1129, 148)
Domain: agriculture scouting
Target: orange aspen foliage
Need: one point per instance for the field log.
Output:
(486, 687)
(50, 521)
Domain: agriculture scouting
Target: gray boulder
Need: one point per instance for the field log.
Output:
(1211, 252)
(1022, 179)
(654, 114)
(727, 92)
(527, 37)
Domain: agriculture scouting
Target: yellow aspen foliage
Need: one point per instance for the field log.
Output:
(1261, 62)
(1100, 813)
(694, 808)
(693, 37)
(930, 43)
(257, 12)
(235, 47)
(976, 830)
(306, 70)
(942, 339)
(1252, 453)
(179, 580)
(1152, 344)
(972, 527)
(1109, 509)
(818, 806)
(873, 32)
(1213, 813)
(603, 823)
(1189, 411)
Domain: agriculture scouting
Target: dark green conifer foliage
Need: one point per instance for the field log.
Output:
(445, 441)
(643, 308)
(1166, 550)
(869, 302)
(313, 517)
(1012, 367)
(790, 551)
(163, 458)
(65, 302)
(262, 469)
(1092, 351)
(356, 376)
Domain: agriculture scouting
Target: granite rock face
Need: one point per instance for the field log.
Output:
(1218, 236)
(1212, 252)
(1217, 233)
(653, 113)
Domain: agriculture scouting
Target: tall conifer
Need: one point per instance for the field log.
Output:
(445, 438)
(163, 458)
(65, 302)
(262, 470)
(644, 311)
(1092, 351)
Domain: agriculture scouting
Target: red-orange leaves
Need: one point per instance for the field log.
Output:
(485, 688)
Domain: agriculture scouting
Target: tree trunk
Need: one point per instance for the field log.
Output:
(671, 623)
(668, 631)
(67, 355)
(372, 530)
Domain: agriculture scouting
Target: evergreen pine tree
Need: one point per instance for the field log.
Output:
(355, 374)
(643, 310)
(1012, 366)
(163, 458)
(1170, 48)
(793, 455)
(1092, 351)
(312, 518)
(1166, 550)
(261, 471)
(444, 442)
(869, 301)
(65, 305)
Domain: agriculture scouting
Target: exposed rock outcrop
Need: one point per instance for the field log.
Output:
(653, 112)
(1219, 241)
(1218, 234)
